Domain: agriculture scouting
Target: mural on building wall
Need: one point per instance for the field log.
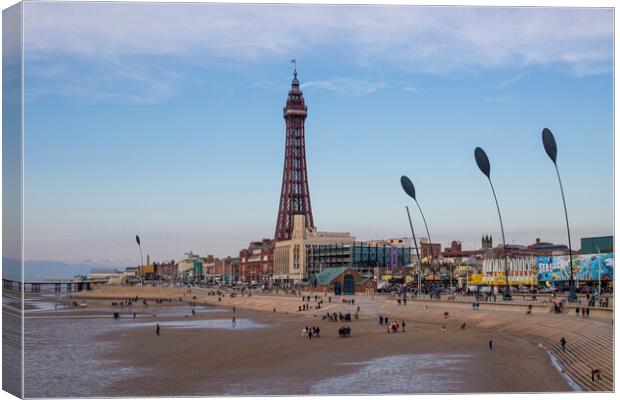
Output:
(585, 267)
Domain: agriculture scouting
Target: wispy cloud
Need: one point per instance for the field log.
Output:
(346, 86)
(509, 82)
(431, 40)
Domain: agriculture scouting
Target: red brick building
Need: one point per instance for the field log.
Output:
(256, 262)
(227, 269)
(167, 270)
(426, 250)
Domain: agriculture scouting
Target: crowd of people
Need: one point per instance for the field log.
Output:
(310, 332)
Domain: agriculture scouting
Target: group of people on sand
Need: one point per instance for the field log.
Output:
(127, 303)
(339, 317)
(393, 327)
(310, 331)
(475, 306)
(585, 312)
(344, 331)
(349, 301)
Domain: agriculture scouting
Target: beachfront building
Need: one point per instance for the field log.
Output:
(167, 270)
(522, 271)
(599, 244)
(427, 249)
(341, 281)
(363, 257)
(290, 255)
(256, 262)
(190, 268)
(226, 270)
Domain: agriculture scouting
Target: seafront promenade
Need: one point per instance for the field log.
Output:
(589, 341)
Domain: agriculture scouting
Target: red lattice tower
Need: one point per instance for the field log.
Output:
(295, 195)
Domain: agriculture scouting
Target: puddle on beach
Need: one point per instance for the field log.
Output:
(401, 374)
(207, 324)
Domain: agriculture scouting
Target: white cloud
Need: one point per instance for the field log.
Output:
(425, 38)
(436, 40)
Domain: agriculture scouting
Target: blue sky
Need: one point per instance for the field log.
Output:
(166, 120)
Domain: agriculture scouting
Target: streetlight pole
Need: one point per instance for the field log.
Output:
(417, 252)
(598, 250)
(485, 166)
(552, 151)
(140, 247)
(410, 190)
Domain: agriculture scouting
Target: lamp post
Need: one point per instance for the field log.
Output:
(598, 250)
(485, 166)
(141, 259)
(140, 247)
(417, 252)
(410, 190)
(552, 151)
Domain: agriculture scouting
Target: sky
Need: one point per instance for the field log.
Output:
(165, 120)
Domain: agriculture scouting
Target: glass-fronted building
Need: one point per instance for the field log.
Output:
(361, 257)
(604, 244)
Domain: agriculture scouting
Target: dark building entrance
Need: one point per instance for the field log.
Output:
(349, 284)
(337, 288)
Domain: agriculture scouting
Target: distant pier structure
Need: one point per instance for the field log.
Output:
(52, 285)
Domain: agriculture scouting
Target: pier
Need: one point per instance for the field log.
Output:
(52, 285)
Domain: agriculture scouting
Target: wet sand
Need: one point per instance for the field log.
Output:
(275, 360)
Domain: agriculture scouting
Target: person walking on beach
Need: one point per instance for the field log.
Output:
(563, 343)
(157, 330)
(583, 312)
(234, 322)
(491, 344)
(385, 320)
(234, 310)
(134, 315)
(577, 311)
(403, 325)
(588, 313)
(380, 319)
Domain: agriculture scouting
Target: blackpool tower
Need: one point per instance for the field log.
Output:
(295, 194)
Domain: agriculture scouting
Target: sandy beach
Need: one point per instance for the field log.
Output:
(265, 353)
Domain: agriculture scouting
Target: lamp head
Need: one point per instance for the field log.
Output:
(408, 186)
(483, 161)
(549, 143)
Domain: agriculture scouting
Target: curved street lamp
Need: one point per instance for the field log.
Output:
(485, 166)
(552, 151)
(410, 190)
(140, 247)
